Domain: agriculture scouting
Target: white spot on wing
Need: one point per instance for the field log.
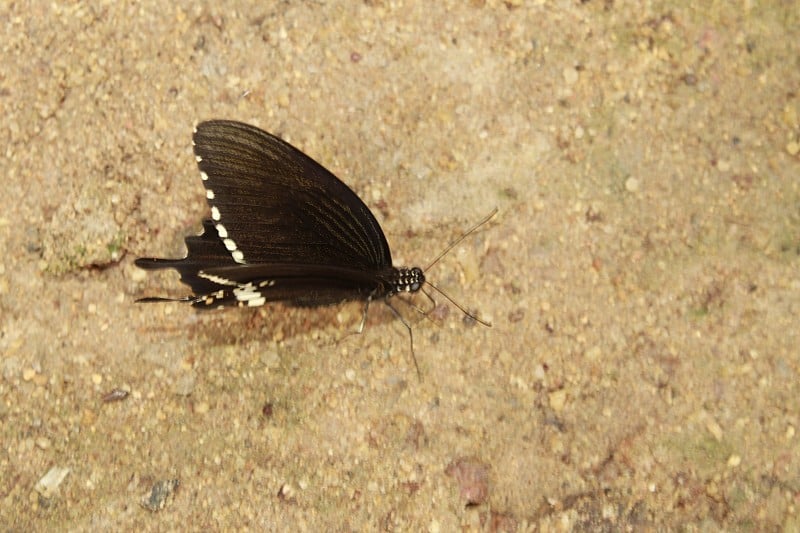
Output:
(215, 213)
(248, 293)
(238, 256)
(204, 177)
(229, 244)
(198, 158)
(217, 279)
(221, 231)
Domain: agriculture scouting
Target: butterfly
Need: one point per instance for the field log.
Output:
(282, 229)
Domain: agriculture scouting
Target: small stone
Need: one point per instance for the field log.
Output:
(48, 484)
(594, 353)
(137, 274)
(714, 428)
(286, 492)
(158, 496)
(115, 395)
(184, 385)
(558, 400)
(271, 359)
(472, 476)
(570, 76)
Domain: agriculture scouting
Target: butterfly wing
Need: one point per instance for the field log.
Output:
(271, 203)
(204, 251)
(300, 285)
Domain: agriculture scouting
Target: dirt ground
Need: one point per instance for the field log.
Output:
(642, 275)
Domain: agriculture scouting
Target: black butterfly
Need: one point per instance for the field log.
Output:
(282, 228)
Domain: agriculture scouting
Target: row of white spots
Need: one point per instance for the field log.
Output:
(229, 243)
(249, 294)
(246, 294)
(217, 279)
(209, 299)
(250, 299)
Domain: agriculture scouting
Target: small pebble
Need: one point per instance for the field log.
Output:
(631, 185)
(158, 496)
(48, 484)
(570, 75)
(115, 395)
(558, 400)
(472, 476)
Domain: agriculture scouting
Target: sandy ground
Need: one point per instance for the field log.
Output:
(642, 276)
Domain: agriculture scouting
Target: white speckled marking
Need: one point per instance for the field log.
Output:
(221, 231)
(267, 283)
(248, 293)
(215, 213)
(204, 177)
(209, 194)
(238, 256)
(217, 279)
(229, 244)
(198, 158)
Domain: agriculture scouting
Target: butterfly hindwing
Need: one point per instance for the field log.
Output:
(301, 285)
(204, 250)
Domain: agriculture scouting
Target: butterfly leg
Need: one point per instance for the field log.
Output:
(410, 334)
(364, 316)
(360, 328)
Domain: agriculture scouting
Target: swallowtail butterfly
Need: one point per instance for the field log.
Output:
(282, 228)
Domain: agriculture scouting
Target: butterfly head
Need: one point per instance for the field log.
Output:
(408, 280)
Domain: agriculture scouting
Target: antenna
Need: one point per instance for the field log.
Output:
(450, 246)
(463, 236)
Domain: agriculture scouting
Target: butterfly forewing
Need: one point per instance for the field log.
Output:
(271, 203)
